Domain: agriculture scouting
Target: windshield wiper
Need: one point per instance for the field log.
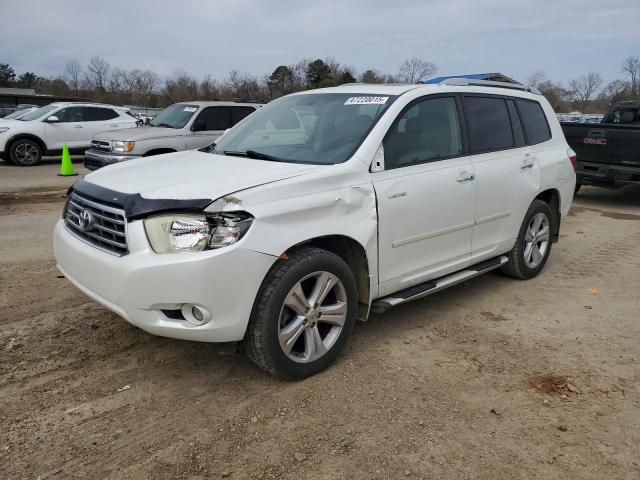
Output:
(254, 154)
(162, 125)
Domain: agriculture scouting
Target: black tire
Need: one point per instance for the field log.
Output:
(577, 189)
(517, 266)
(19, 156)
(261, 342)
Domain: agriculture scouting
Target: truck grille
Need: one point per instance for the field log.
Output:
(99, 225)
(103, 146)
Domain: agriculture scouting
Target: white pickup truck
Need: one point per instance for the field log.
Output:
(181, 126)
(319, 208)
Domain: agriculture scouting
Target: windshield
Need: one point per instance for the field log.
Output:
(38, 113)
(16, 114)
(319, 128)
(174, 116)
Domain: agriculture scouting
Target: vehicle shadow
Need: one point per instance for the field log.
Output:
(608, 197)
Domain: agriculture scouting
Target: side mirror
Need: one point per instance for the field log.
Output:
(52, 119)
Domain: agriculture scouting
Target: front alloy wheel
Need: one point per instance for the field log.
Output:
(312, 317)
(303, 314)
(25, 152)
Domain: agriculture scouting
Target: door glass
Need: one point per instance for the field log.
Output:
(489, 124)
(238, 113)
(426, 132)
(516, 125)
(212, 118)
(70, 115)
(97, 114)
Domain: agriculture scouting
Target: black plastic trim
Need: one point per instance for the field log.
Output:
(134, 205)
(492, 262)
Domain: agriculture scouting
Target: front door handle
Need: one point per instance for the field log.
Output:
(77, 126)
(465, 177)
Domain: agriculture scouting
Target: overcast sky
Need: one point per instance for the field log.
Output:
(565, 38)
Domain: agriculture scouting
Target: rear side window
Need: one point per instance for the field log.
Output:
(238, 113)
(535, 121)
(213, 118)
(488, 123)
(97, 114)
(426, 132)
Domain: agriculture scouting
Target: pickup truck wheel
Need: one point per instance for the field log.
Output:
(303, 314)
(533, 245)
(25, 152)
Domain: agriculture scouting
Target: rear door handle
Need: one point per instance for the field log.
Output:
(77, 126)
(113, 126)
(465, 177)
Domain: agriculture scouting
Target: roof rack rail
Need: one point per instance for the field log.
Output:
(462, 82)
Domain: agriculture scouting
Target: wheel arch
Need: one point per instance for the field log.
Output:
(30, 136)
(355, 256)
(552, 198)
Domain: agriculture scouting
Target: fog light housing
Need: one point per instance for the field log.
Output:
(195, 314)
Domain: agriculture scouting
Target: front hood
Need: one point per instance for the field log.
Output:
(192, 174)
(139, 133)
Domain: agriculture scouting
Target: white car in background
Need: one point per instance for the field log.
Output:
(18, 114)
(43, 131)
(181, 126)
(319, 208)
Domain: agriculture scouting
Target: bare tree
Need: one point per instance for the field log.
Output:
(414, 69)
(73, 70)
(631, 68)
(536, 78)
(584, 88)
(98, 70)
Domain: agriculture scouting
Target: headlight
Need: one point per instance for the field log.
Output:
(122, 147)
(194, 233)
(3, 129)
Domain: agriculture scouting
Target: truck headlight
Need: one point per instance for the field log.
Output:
(122, 147)
(194, 233)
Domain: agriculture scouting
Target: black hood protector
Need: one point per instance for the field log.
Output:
(133, 204)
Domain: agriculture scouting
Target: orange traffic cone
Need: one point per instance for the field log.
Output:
(66, 167)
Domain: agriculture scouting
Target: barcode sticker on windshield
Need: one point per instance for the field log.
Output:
(366, 100)
(189, 109)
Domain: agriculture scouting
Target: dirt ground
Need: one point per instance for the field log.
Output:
(494, 378)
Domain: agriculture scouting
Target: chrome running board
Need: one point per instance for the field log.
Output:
(432, 286)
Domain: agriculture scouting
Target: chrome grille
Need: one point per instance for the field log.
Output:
(100, 225)
(101, 145)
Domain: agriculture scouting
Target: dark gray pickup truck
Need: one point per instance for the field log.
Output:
(608, 152)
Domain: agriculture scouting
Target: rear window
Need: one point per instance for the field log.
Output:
(488, 123)
(535, 121)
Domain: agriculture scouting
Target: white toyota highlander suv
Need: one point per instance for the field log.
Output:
(319, 208)
(42, 132)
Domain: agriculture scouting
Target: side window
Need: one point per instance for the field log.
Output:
(97, 114)
(626, 115)
(70, 114)
(238, 113)
(535, 121)
(488, 123)
(516, 124)
(212, 118)
(425, 132)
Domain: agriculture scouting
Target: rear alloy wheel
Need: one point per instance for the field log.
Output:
(533, 245)
(303, 314)
(25, 153)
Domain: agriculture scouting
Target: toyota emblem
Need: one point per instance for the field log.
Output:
(85, 220)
